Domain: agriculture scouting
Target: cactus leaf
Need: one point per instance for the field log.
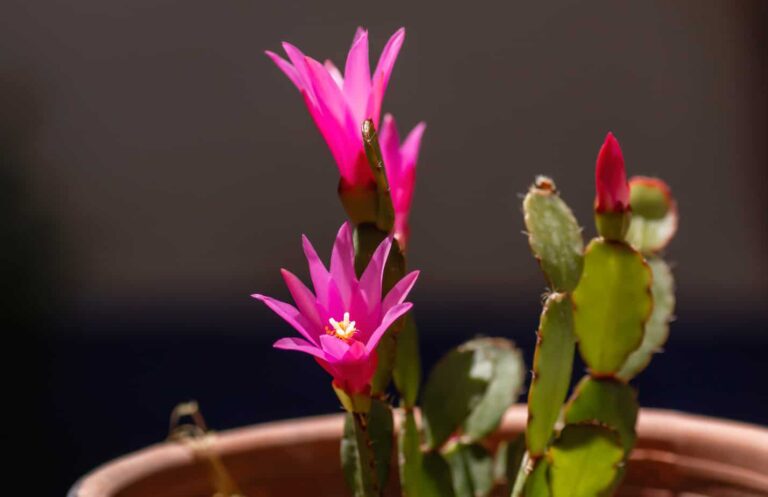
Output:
(385, 219)
(502, 391)
(606, 402)
(381, 432)
(471, 469)
(460, 384)
(584, 461)
(552, 366)
(407, 372)
(611, 305)
(537, 483)
(657, 327)
(554, 235)
(654, 215)
(422, 475)
(509, 457)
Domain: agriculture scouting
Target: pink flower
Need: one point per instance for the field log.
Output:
(400, 163)
(343, 320)
(611, 178)
(339, 104)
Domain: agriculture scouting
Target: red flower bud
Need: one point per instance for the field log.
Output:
(611, 178)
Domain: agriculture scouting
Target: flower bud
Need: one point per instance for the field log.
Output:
(650, 198)
(612, 203)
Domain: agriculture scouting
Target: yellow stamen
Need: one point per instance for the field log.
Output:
(344, 329)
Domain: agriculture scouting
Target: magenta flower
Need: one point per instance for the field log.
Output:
(343, 320)
(611, 178)
(400, 162)
(339, 104)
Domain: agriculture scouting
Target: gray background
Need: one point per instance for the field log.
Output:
(156, 169)
(176, 164)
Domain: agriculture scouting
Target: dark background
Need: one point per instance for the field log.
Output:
(156, 169)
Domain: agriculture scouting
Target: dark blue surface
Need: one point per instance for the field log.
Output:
(109, 381)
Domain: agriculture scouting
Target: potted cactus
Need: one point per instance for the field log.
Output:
(610, 301)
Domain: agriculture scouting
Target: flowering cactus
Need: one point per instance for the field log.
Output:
(343, 320)
(339, 104)
(616, 297)
(611, 300)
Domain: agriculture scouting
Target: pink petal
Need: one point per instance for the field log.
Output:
(332, 104)
(317, 271)
(390, 317)
(297, 58)
(400, 291)
(382, 73)
(305, 300)
(343, 263)
(357, 76)
(299, 345)
(289, 313)
(329, 95)
(334, 72)
(355, 352)
(334, 347)
(390, 151)
(370, 281)
(287, 68)
(409, 155)
(412, 143)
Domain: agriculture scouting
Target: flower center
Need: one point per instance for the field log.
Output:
(344, 329)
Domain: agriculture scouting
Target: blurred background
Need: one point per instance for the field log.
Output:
(156, 169)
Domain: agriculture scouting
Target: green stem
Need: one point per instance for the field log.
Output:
(369, 485)
(522, 475)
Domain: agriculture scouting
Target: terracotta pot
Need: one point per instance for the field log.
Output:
(677, 454)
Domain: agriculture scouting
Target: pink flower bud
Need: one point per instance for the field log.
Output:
(611, 178)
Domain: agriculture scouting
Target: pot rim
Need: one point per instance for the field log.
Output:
(664, 436)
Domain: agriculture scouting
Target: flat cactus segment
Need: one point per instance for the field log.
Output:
(554, 235)
(509, 457)
(471, 470)
(611, 305)
(654, 215)
(381, 431)
(552, 367)
(503, 389)
(407, 371)
(537, 483)
(470, 388)
(606, 402)
(657, 327)
(422, 475)
(584, 461)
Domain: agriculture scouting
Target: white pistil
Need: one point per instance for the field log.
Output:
(344, 329)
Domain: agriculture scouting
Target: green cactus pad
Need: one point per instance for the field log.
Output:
(471, 469)
(503, 389)
(657, 327)
(386, 214)
(606, 402)
(537, 483)
(471, 387)
(554, 235)
(611, 305)
(654, 215)
(423, 475)
(407, 371)
(381, 432)
(509, 457)
(552, 366)
(584, 461)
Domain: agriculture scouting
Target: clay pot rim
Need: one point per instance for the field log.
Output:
(665, 436)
